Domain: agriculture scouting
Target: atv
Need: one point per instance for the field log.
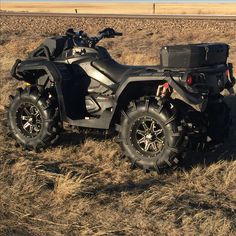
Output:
(158, 112)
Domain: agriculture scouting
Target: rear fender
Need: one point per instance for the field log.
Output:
(198, 102)
(189, 98)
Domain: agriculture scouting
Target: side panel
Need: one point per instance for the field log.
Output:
(92, 72)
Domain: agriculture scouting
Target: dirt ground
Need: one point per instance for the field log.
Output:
(83, 186)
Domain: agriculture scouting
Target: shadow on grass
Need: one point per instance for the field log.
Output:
(226, 152)
(77, 138)
(204, 159)
(195, 159)
(129, 186)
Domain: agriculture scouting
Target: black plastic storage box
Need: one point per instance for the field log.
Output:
(194, 55)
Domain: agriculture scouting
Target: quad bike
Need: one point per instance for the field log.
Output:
(159, 112)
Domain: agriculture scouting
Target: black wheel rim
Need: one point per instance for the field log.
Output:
(28, 120)
(147, 136)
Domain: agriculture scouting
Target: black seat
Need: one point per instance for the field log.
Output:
(114, 70)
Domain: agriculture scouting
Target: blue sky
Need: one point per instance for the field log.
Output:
(156, 1)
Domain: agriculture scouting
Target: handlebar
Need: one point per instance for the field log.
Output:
(118, 34)
(92, 41)
(109, 33)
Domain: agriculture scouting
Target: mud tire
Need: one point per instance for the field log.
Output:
(50, 121)
(165, 116)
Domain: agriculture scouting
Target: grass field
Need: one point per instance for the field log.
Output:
(122, 8)
(82, 186)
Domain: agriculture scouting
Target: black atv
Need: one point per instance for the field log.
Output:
(159, 112)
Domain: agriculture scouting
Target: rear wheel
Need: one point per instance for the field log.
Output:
(33, 119)
(150, 135)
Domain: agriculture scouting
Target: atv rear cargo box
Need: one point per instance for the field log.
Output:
(194, 55)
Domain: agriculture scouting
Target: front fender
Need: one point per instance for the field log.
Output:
(20, 68)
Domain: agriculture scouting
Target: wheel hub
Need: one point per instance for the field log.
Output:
(149, 136)
(29, 120)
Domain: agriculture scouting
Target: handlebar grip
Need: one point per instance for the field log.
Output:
(70, 32)
(118, 34)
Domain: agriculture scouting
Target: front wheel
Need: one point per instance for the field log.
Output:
(33, 119)
(150, 134)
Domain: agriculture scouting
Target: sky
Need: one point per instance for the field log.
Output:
(156, 1)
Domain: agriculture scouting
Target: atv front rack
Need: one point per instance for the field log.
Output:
(35, 55)
(42, 52)
(13, 72)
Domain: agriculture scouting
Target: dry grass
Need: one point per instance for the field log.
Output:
(122, 8)
(84, 187)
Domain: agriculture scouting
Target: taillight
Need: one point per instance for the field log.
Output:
(189, 80)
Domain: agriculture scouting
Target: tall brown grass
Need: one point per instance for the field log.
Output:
(84, 186)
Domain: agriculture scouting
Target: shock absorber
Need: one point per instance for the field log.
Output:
(164, 90)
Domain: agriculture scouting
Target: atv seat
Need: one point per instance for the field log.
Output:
(115, 71)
